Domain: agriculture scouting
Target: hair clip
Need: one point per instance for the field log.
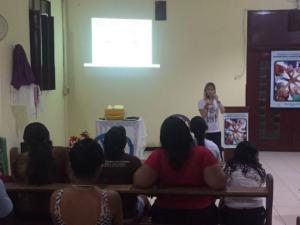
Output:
(74, 139)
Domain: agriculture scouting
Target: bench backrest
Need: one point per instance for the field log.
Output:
(16, 190)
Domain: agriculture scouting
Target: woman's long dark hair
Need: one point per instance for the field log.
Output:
(198, 126)
(245, 157)
(176, 140)
(114, 143)
(40, 165)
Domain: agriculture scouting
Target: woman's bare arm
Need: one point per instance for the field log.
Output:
(145, 177)
(215, 177)
(222, 108)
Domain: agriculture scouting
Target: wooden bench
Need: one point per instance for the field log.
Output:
(266, 192)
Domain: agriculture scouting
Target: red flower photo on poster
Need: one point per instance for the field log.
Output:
(235, 129)
(285, 79)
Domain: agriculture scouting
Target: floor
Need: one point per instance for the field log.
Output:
(285, 168)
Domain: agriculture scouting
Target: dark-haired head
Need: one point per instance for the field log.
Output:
(86, 157)
(198, 126)
(246, 153)
(114, 143)
(37, 141)
(176, 139)
(245, 157)
(35, 133)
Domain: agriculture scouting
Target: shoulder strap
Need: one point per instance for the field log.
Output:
(57, 211)
(105, 215)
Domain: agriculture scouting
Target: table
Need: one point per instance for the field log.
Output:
(135, 131)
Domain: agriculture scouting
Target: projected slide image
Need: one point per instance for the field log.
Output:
(121, 43)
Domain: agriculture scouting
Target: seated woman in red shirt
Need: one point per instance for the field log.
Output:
(180, 163)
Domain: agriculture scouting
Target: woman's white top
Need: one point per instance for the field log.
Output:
(212, 118)
(210, 145)
(238, 179)
(5, 202)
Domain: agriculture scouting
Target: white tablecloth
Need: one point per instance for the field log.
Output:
(135, 130)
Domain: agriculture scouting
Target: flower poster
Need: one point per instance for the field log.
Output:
(235, 129)
(285, 79)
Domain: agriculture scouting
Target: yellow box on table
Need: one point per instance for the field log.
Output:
(116, 112)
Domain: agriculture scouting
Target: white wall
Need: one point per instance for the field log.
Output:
(16, 13)
(201, 41)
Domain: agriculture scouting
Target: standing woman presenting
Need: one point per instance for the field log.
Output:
(209, 108)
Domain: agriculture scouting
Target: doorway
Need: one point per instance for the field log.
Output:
(271, 129)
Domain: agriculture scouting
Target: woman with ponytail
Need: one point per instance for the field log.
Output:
(199, 127)
(39, 163)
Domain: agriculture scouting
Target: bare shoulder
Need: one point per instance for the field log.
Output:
(114, 200)
(113, 195)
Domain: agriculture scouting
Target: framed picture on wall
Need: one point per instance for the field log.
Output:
(285, 79)
(235, 128)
